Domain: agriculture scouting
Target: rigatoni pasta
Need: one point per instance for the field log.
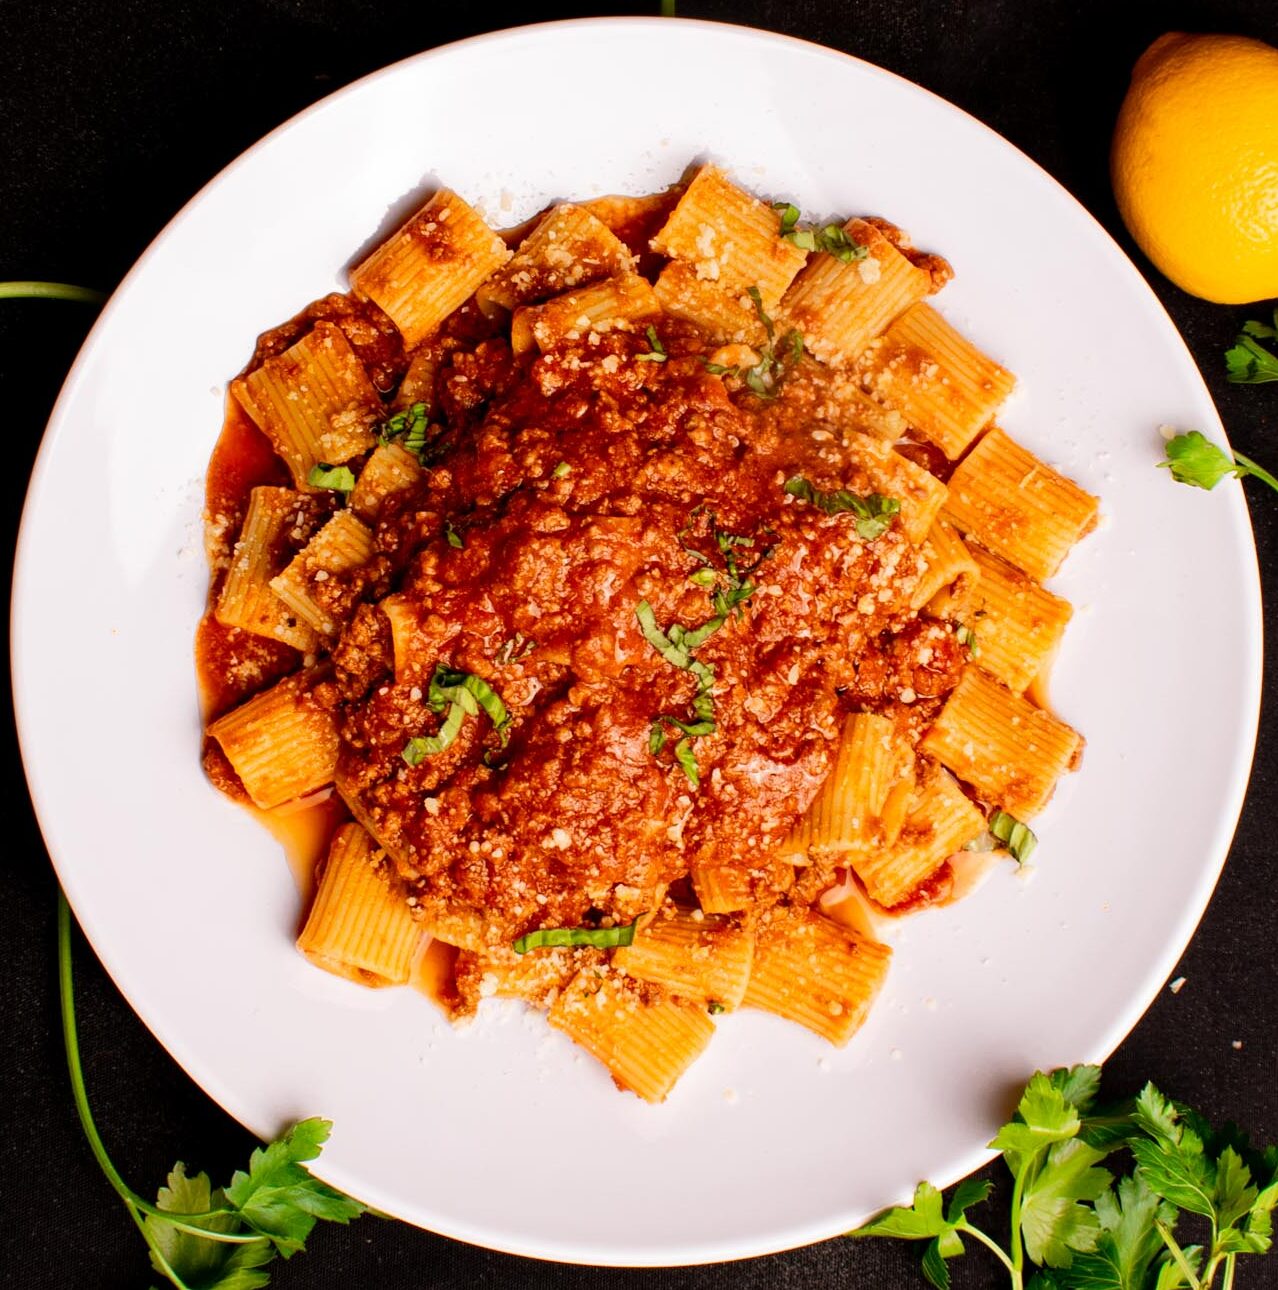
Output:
(625, 609)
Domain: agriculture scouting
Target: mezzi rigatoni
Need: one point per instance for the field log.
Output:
(314, 402)
(430, 266)
(360, 925)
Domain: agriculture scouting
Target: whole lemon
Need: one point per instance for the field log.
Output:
(1195, 164)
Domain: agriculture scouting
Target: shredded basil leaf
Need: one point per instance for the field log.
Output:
(766, 375)
(517, 647)
(600, 938)
(666, 646)
(1019, 838)
(966, 636)
(339, 479)
(409, 427)
(832, 239)
(874, 513)
(789, 216)
(657, 354)
(688, 760)
(460, 695)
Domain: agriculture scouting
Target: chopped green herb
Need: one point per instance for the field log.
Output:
(688, 760)
(1250, 363)
(1019, 838)
(460, 695)
(874, 513)
(715, 1008)
(676, 647)
(1194, 459)
(966, 636)
(561, 470)
(789, 216)
(765, 377)
(417, 749)
(454, 538)
(600, 938)
(663, 644)
(409, 428)
(657, 354)
(704, 578)
(832, 239)
(517, 647)
(339, 479)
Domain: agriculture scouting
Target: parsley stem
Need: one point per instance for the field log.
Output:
(50, 291)
(992, 1245)
(1231, 1261)
(1178, 1254)
(1018, 1256)
(1259, 471)
(135, 1203)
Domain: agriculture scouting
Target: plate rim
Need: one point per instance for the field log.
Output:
(1227, 813)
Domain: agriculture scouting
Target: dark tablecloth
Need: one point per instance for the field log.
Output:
(111, 116)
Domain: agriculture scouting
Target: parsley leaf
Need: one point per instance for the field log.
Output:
(1249, 363)
(197, 1260)
(454, 538)
(1194, 459)
(874, 513)
(1171, 1157)
(1128, 1244)
(1043, 1117)
(1055, 1223)
(279, 1198)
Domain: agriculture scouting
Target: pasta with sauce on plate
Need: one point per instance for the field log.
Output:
(653, 598)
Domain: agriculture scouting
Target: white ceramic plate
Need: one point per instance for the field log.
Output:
(505, 1135)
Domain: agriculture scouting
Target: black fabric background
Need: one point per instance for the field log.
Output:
(111, 116)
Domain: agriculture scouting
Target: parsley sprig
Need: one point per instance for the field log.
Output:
(775, 358)
(1083, 1227)
(206, 1238)
(1193, 459)
(832, 239)
(1248, 362)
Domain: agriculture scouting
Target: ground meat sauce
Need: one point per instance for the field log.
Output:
(580, 482)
